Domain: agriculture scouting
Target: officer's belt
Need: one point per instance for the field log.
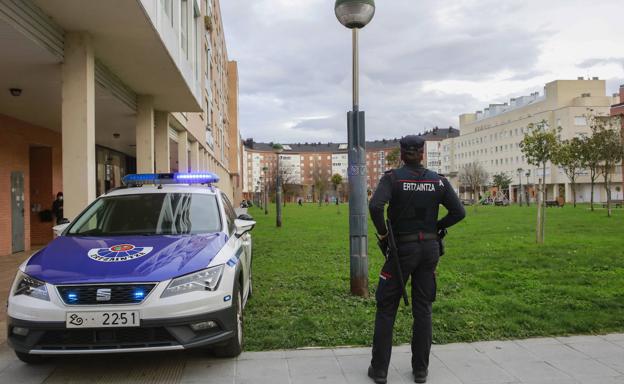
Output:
(419, 236)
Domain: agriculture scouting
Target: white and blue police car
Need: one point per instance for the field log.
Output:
(163, 263)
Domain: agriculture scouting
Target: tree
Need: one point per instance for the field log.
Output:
(569, 156)
(501, 181)
(393, 159)
(590, 151)
(319, 179)
(608, 143)
(336, 180)
(473, 176)
(538, 146)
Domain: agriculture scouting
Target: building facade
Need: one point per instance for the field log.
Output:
(92, 90)
(307, 169)
(492, 137)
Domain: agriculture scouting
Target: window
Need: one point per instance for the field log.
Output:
(149, 214)
(580, 120)
(184, 27)
(168, 8)
(230, 214)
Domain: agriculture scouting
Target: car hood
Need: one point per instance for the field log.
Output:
(75, 259)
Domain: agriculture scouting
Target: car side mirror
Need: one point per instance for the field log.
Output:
(243, 226)
(245, 216)
(58, 229)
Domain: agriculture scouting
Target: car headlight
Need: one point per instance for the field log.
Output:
(29, 286)
(204, 280)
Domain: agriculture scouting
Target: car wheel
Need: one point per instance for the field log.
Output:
(30, 359)
(234, 346)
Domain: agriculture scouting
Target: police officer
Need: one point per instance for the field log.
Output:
(414, 195)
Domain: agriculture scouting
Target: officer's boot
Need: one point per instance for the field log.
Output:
(377, 375)
(420, 376)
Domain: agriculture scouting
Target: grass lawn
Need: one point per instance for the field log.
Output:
(493, 283)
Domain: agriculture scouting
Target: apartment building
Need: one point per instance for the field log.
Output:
(492, 137)
(306, 165)
(92, 90)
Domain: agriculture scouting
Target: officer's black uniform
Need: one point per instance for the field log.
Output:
(414, 194)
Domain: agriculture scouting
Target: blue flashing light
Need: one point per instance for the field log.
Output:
(72, 297)
(171, 178)
(138, 294)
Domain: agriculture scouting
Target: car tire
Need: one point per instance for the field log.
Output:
(234, 346)
(30, 359)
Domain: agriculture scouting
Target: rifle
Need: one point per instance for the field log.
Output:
(393, 252)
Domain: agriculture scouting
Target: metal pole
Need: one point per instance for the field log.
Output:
(358, 213)
(356, 71)
(278, 195)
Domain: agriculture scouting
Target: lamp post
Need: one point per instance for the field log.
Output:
(356, 14)
(266, 191)
(527, 174)
(520, 170)
(277, 148)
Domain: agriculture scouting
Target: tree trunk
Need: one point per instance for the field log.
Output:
(544, 203)
(607, 189)
(538, 234)
(591, 200)
(573, 186)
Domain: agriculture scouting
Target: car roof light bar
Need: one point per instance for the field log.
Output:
(170, 178)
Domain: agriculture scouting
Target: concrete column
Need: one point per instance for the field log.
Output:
(202, 159)
(78, 123)
(195, 165)
(145, 134)
(183, 151)
(161, 141)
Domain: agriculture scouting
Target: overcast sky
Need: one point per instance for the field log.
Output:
(422, 62)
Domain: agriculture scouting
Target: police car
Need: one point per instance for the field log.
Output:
(163, 263)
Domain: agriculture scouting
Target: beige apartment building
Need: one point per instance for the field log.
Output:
(492, 137)
(92, 90)
(305, 166)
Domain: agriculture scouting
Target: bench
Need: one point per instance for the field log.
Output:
(614, 203)
(552, 203)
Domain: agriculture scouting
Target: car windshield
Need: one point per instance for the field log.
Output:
(149, 214)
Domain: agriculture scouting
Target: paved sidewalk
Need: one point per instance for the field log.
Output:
(567, 360)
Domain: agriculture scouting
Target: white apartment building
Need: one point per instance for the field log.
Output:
(492, 137)
(92, 90)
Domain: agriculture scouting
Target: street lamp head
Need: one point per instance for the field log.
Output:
(354, 13)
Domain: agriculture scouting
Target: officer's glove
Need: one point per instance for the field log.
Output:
(441, 234)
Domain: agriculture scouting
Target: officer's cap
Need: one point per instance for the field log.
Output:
(412, 143)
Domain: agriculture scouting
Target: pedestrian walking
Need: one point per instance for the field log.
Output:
(414, 195)
(57, 207)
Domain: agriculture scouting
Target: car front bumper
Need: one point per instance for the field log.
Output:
(54, 338)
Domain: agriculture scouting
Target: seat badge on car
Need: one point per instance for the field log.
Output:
(103, 294)
(118, 253)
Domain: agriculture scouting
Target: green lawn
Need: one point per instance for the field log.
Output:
(493, 283)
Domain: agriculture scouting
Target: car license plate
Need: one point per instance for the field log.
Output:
(102, 319)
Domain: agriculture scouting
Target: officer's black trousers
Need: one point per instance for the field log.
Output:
(418, 261)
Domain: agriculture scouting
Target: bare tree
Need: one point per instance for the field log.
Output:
(609, 145)
(569, 156)
(538, 146)
(320, 178)
(473, 176)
